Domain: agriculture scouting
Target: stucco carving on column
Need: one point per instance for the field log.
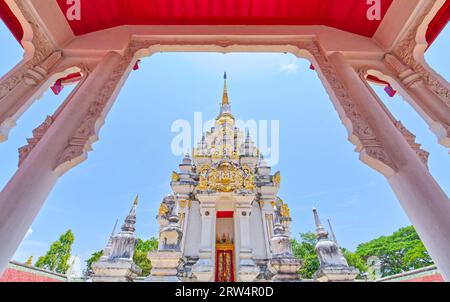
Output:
(405, 52)
(408, 135)
(44, 57)
(86, 134)
(361, 134)
(413, 80)
(39, 132)
(411, 139)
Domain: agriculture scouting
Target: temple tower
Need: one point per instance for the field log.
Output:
(333, 265)
(225, 203)
(116, 265)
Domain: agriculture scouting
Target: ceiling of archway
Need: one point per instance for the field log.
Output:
(347, 15)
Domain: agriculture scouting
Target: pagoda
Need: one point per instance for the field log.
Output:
(224, 221)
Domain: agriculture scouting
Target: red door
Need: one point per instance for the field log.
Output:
(224, 264)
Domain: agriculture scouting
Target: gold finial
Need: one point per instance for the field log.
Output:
(225, 100)
(277, 178)
(163, 209)
(136, 200)
(175, 176)
(29, 261)
(285, 211)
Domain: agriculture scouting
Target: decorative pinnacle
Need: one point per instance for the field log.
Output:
(114, 229)
(30, 261)
(333, 235)
(130, 220)
(225, 100)
(321, 232)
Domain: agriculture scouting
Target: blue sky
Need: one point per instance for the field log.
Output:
(319, 166)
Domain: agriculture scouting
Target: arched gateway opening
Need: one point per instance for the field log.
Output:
(382, 143)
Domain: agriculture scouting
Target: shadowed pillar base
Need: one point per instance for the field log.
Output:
(115, 271)
(336, 274)
(164, 266)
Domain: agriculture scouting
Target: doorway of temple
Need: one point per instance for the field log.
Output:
(225, 263)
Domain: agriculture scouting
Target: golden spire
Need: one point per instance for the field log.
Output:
(225, 100)
(136, 200)
(30, 261)
(225, 109)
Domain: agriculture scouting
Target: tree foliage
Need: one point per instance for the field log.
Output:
(57, 257)
(400, 252)
(141, 252)
(140, 256)
(355, 260)
(94, 258)
(305, 251)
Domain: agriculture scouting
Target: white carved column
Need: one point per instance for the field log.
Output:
(409, 137)
(40, 131)
(428, 91)
(16, 97)
(436, 108)
(383, 147)
(248, 270)
(64, 144)
(203, 270)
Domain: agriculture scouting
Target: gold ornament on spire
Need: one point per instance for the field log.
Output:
(163, 210)
(30, 261)
(225, 115)
(136, 200)
(175, 176)
(285, 211)
(225, 100)
(277, 179)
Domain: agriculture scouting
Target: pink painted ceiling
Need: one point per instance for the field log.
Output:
(347, 15)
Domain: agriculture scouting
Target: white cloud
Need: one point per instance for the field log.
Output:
(291, 67)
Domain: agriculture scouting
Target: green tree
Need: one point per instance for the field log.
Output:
(94, 258)
(56, 259)
(141, 252)
(355, 260)
(305, 251)
(400, 252)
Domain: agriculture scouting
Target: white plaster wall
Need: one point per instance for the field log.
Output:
(194, 231)
(257, 238)
(237, 240)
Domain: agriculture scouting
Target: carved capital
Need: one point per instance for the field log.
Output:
(409, 137)
(407, 76)
(405, 52)
(37, 74)
(44, 57)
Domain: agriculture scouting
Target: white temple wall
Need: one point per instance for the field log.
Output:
(194, 225)
(257, 239)
(237, 240)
